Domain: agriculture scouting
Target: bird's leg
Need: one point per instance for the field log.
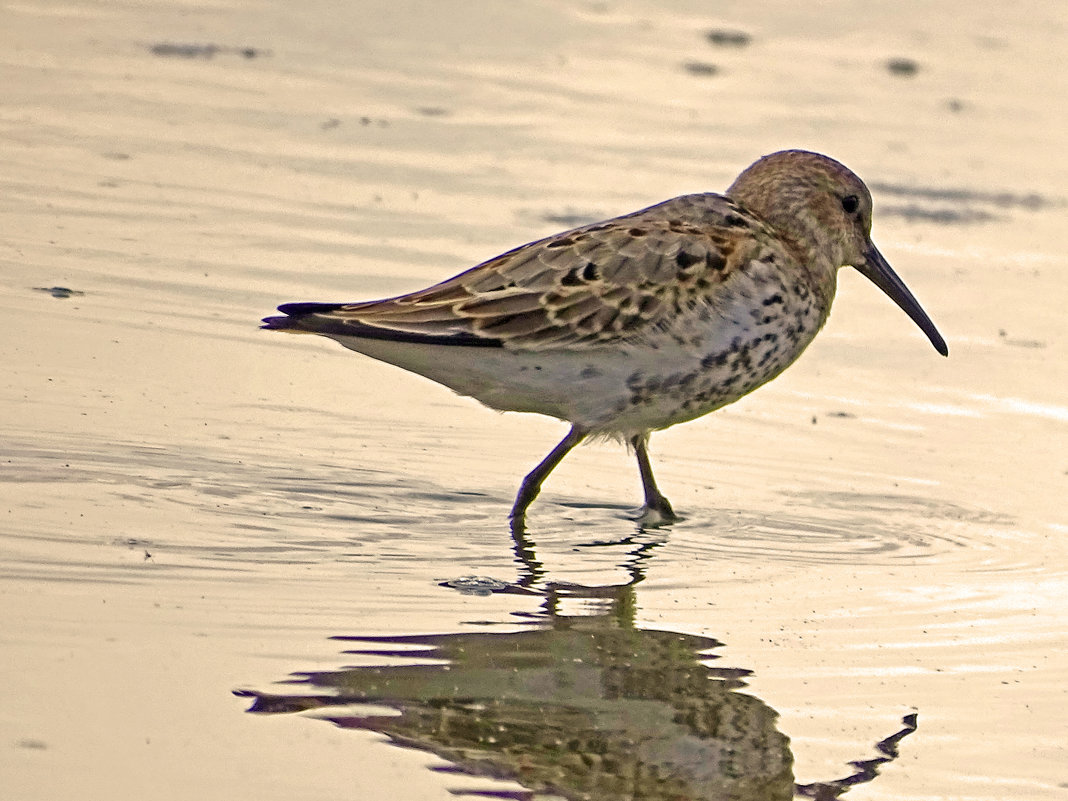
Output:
(531, 485)
(654, 501)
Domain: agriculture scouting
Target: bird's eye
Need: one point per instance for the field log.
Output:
(850, 203)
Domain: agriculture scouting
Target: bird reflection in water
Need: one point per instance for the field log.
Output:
(579, 706)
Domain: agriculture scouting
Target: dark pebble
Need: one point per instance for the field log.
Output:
(904, 67)
(728, 38)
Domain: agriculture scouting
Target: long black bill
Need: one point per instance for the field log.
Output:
(876, 270)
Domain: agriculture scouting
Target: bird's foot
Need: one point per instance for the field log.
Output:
(657, 511)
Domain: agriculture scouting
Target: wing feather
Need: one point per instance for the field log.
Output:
(609, 282)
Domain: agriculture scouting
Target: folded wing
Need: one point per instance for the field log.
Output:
(609, 282)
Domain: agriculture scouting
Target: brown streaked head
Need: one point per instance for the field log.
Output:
(826, 210)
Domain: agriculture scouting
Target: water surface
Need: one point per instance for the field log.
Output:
(869, 583)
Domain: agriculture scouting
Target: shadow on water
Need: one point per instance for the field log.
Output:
(579, 704)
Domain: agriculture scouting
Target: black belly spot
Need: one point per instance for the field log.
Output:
(715, 360)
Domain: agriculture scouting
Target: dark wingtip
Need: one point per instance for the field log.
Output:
(301, 318)
(300, 309)
(276, 323)
(294, 312)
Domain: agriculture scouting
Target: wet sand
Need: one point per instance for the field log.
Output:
(192, 507)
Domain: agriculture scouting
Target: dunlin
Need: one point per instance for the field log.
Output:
(634, 324)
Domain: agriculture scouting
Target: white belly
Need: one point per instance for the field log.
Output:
(704, 362)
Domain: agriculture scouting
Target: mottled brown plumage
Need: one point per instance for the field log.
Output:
(640, 322)
(611, 282)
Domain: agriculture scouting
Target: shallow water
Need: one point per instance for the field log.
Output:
(192, 507)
